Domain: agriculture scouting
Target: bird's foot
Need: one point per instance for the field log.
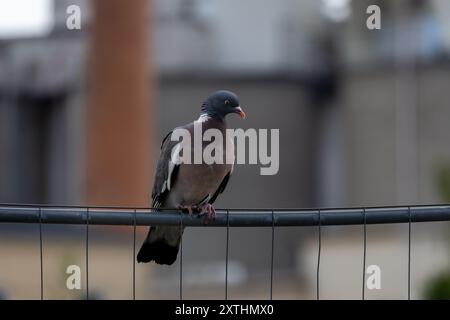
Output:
(187, 209)
(210, 212)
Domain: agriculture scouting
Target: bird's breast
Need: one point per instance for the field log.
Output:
(197, 181)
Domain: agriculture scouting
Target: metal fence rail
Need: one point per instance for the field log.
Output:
(229, 217)
(42, 214)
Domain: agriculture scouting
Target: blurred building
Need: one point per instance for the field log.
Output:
(362, 117)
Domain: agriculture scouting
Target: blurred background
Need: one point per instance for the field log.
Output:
(363, 118)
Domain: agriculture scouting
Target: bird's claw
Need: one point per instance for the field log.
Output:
(210, 212)
(188, 209)
(206, 209)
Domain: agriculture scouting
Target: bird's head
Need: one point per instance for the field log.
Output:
(221, 103)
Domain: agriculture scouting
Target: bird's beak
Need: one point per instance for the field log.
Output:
(240, 112)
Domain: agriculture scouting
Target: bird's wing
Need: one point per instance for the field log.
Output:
(225, 180)
(221, 188)
(166, 172)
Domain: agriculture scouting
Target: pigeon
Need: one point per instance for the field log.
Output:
(190, 187)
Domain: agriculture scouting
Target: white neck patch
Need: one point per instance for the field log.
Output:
(203, 117)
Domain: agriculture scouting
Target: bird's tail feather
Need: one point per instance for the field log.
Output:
(158, 249)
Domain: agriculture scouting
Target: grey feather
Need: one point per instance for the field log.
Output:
(162, 177)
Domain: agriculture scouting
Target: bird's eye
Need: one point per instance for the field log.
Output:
(227, 102)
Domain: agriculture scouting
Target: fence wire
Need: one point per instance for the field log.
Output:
(181, 257)
(87, 254)
(364, 256)
(134, 255)
(226, 254)
(409, 253)
(14, 213)
(40, 254)
(319, 248)
(271, 257)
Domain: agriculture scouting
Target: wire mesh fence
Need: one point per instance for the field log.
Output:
(272, 218)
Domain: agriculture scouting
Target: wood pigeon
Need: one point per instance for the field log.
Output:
(190, 187)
